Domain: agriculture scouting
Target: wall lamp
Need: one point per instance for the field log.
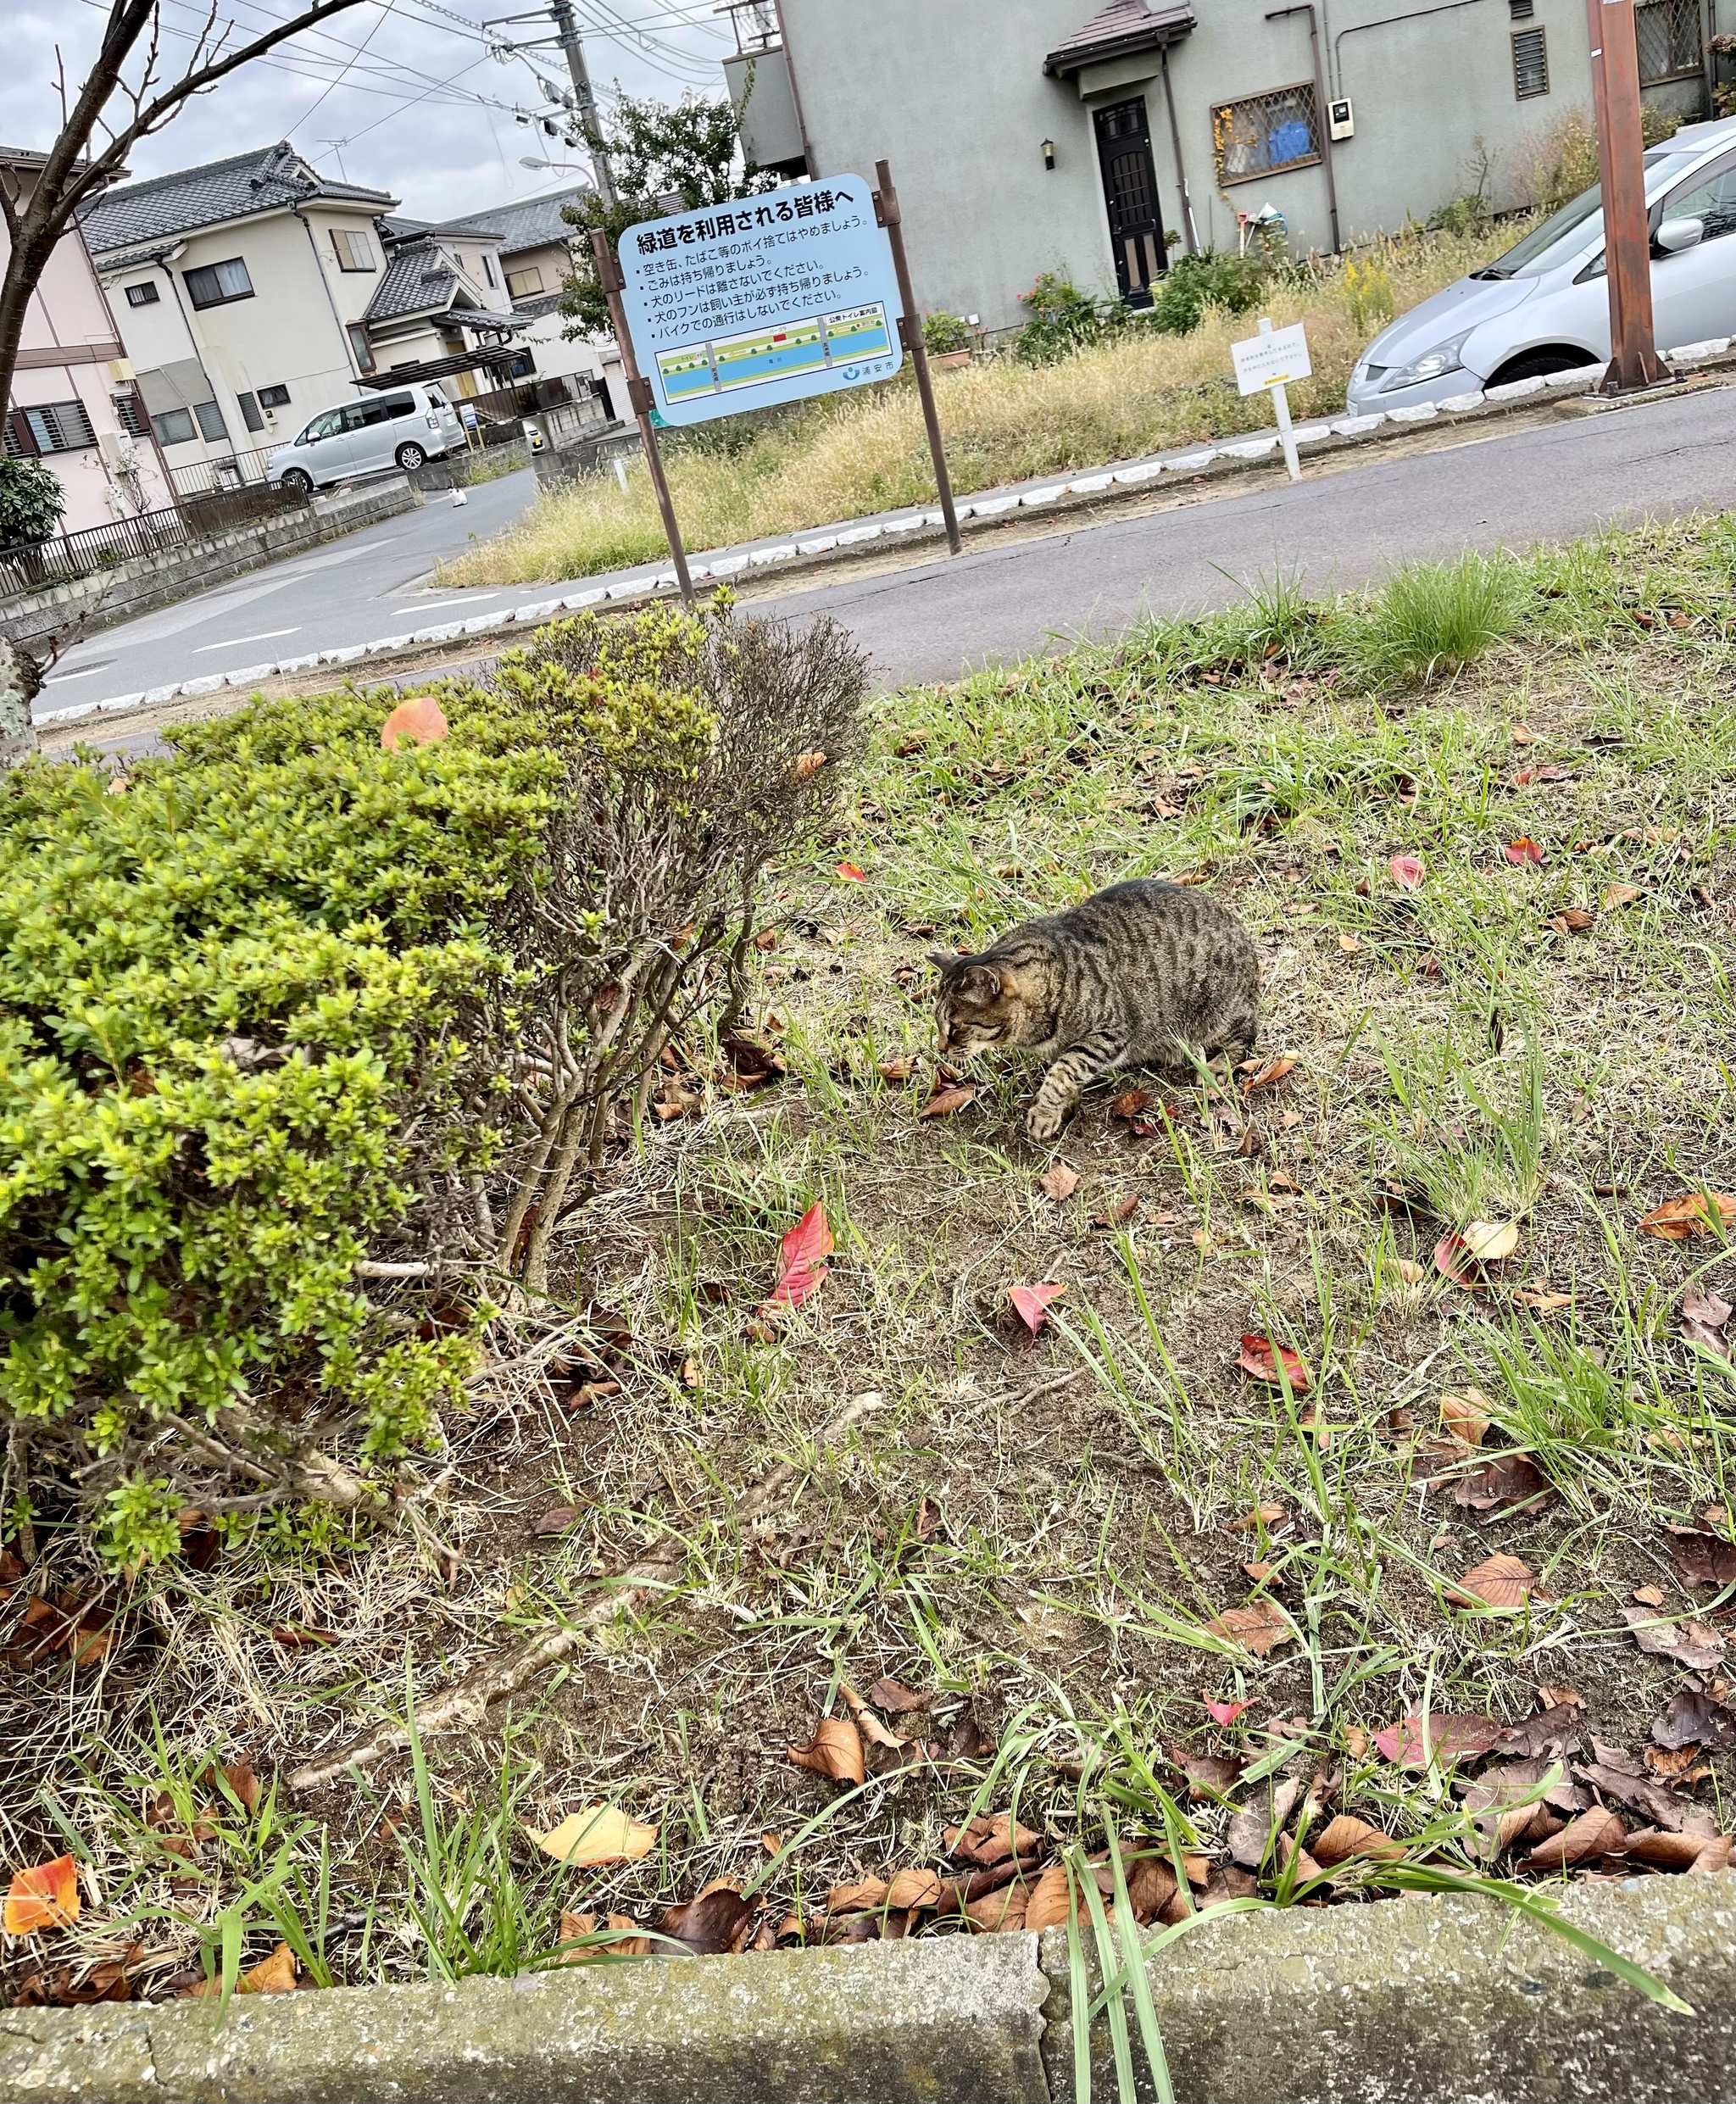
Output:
(1049, 153)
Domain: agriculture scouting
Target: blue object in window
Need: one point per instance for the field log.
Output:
(1291, 141)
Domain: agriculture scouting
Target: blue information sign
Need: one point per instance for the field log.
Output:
(764, 299)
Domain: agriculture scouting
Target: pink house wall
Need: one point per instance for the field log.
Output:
(69, 312)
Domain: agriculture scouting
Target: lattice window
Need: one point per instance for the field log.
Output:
(1531, 64)
(57, 427)
(1263, 133)
(1668, 35)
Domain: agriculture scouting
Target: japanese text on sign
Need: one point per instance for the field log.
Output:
(1273, 360)
(764, 299)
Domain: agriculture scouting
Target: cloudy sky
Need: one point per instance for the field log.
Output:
(402, 95)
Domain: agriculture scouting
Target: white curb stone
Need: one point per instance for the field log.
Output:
(1515, 389)
(1085, 485)
(1029, 499)
(442, 632)
(827, 542)
(250, 673)
(849, 538)
(346, 654)
(207, 683)
(388, 643)
(1142, 471)
(1353, 426)
(1189, 462)
(1454, 403)
(781, 555)
(1417, 413)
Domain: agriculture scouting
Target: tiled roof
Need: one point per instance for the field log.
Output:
(536, 223)
(417, 280)
(1124, 27)
(266, 180)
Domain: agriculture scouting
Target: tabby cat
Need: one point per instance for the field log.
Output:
(1146, 973)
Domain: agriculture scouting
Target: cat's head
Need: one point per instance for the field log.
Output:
(977, 1004)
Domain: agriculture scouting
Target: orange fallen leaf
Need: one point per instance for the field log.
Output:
(1349, 942)
(44, 1896)
(597, 1834)
(1501, 1582)
(1693, 1213)
(1261, 1515)
(915, 1888)
(896, 1070)
(1620, 895)
(1522, 734)
(420, 721)
(1541, 1298)
(836, 1749)
(849, 870)
(1259, 1629)
(863, 1895)
(618, 1935)
(1031, 1304)
(1059, 1183)
(1261, 1360)
(1522, 850)
(275, 1975)
(809, 764)
(867, 1722)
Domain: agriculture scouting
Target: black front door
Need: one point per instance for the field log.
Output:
(1130, 192)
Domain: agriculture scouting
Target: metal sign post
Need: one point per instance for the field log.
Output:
(639, 395)
(886, 212)
(1264, 364)
(1620, 154)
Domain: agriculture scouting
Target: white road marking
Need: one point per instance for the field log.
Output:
(265, 635)
(435, 605)
(61, 678)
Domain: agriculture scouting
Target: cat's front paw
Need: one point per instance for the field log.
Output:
(1043, 1122)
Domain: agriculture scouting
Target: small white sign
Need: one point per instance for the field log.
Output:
(1273, 360)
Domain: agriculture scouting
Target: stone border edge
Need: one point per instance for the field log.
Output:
(822, 545)
(1306, 2006)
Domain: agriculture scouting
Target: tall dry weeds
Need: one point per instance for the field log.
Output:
(1004, 421)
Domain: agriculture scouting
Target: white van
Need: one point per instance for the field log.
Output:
(397, 427)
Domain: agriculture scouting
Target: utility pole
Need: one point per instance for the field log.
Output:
(1620, 154)
(561, 12)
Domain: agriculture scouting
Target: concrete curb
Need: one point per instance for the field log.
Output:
(1416, 2000)
(1086, 487)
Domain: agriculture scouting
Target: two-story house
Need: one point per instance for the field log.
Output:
(1027, 136)
(239, 288)
(441, 302)
(72, 402)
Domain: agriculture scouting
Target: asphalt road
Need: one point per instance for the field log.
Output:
(349, 590)
(1008, 598)
(1507, 489)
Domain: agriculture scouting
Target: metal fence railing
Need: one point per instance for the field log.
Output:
(92, 549)
(236, 470)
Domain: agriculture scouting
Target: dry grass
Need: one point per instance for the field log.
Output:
(866, 452)
(1036, 1535)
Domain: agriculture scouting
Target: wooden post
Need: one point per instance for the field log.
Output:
(1615, 85)
(639, 395)
(886, 210)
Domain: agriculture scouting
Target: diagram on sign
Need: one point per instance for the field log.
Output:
(854, 337)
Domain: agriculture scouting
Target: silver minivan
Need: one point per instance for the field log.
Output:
(1544, 306)
(397, 427)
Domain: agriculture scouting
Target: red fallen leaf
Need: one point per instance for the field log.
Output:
(1416, 1741)
(1523, 850)
(1407, 870)
(44, 1896)
(1030, 1303)
(420, 720)
(801, 1269)
(1225, 1713)
(1130, 1103)
(1260, 1359)
(850, 871)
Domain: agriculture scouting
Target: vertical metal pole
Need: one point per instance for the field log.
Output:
(561, 12)
(639, 394)
(1621, 151)
(886, 210)
(1188, 228)
(1322, 115)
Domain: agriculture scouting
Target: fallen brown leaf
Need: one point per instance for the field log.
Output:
(1269, 1075)
(1501, 1484)
(1691, 1644)
(1594, 1833)
(1691, 1717)
(621, 1938)
(1261, 1515)
(998, 1910)
(1466, 1415)
(866, 1893)
(1344, 1837)
(1703, 1315)
(867, 1722)
(893, 1697)
(1259, 1629)
(917, 1890)
(896, 1070)
(44, 1896)
(1501, 1582)
(1059, 1183)
(835, 1751)
(988, 1840)
(715, 1921)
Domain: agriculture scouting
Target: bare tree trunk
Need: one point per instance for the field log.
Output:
(19, 683)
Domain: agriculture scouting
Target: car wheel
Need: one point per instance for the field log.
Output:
(1537, 365)
(410, 457)
(297, 478)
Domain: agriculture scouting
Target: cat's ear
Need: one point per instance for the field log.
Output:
(980, 982)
